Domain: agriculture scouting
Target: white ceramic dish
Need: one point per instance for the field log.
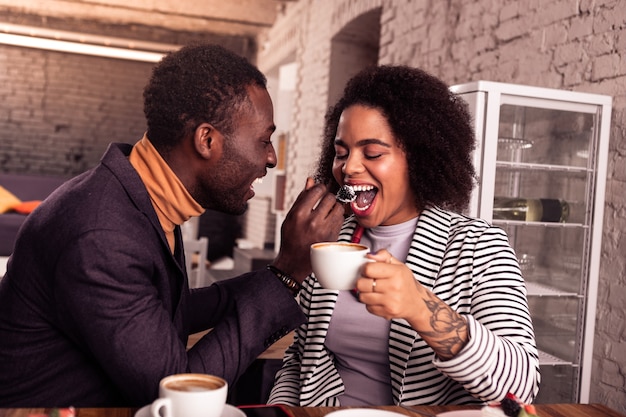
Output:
(461, 413)
(229, 411)
(364, 412)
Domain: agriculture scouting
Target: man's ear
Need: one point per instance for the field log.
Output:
(207, 140)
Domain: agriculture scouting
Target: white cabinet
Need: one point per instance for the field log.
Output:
(549, 147)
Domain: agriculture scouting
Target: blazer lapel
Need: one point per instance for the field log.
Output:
(318, 373)
(116, 160)
(429, 245)
(424, 259)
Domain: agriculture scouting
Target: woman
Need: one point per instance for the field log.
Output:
(442, 316)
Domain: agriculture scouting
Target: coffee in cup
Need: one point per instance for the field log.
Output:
(190, 395)
(337, 265)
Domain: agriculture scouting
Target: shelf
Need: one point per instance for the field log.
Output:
(526, 166)
(515, 143)
(544, 224)
(539, 290)
(547, 359)
(556, 334)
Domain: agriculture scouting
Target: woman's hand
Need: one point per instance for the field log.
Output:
(389, 289)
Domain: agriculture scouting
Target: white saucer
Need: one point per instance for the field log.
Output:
(364, 412)
(229, 411)
(461, 413)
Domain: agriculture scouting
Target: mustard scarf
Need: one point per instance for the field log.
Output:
(171, 200)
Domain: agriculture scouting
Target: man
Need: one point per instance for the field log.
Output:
(95, 307)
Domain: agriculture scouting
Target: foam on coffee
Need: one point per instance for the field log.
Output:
(191, 385)
(339, 246)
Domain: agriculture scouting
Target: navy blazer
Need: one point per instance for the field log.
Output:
(95, 309)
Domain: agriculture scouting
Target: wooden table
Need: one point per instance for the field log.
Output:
(276, 351)
(543, 410)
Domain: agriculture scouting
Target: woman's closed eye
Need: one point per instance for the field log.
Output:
(341, 153)
(371, 155)
(343, 156)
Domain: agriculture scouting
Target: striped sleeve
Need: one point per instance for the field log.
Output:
(501, 355)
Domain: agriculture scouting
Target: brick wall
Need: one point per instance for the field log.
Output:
(59, 111)
(577, 45)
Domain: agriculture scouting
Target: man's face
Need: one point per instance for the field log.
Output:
(247, 153)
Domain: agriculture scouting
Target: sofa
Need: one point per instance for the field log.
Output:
(27, 191)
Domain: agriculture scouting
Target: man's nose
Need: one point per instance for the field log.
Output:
(272, 160)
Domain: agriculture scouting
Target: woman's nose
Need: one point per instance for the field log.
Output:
(352, 165)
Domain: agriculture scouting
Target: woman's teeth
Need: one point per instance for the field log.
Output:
(358, 188)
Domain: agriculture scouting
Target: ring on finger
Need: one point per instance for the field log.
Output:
(374, 285)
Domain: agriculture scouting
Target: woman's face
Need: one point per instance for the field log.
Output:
(367, 157)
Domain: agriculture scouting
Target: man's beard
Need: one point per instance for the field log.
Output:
(216, 189)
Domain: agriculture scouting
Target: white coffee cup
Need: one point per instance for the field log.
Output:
(337, 265)
(190, 395)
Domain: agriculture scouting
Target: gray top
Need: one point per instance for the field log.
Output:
(360, 340)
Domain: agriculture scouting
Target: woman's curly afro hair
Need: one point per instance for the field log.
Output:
(198, 83)
(430, 123)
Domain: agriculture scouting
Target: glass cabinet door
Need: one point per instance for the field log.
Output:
(543, 177)
(538, 163)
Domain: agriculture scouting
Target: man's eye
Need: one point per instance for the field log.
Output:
(373, 156)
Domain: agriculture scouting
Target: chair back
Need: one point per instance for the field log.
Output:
(195, 260)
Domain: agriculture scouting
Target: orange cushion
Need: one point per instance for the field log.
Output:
(7, 200)
(26, 207)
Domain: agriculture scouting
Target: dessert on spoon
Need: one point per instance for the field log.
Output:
(346, 194)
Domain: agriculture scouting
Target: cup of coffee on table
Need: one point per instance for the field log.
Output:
(337, 265)
(190, 395)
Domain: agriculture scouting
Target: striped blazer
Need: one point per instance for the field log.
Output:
(470, 265)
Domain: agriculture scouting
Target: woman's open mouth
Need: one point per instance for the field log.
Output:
(360, 197)
(365, 195)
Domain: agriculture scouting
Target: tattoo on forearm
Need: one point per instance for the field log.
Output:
(447, 328)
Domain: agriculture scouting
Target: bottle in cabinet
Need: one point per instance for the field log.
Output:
(530, 210)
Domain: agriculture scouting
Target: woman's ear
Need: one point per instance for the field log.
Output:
(207, 140)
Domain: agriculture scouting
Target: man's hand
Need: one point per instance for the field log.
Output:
(316, 216)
